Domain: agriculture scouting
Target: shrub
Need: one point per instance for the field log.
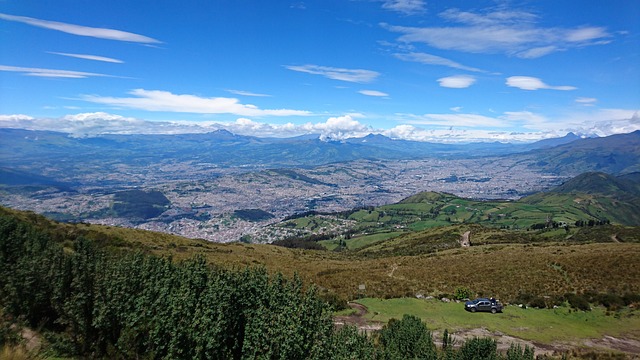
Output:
(408, 338)
(577, 302)
(516, 352)
(610, 301)
(479, 348)
(462, 293)
(538, 302)
(630, 298)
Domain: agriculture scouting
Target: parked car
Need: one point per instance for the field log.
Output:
(482, 304)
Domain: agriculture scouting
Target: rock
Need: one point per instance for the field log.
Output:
(465, 239)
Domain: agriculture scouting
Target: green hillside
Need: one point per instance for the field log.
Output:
(591, 199)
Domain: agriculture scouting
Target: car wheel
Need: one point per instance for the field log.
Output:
(472, 309)
(494, 310)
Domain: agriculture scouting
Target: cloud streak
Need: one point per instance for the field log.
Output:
(515, 33)
(430, 59)
(407, 7)
(100, 33)
(88, 57)
(246, 93)
(157, 100)
(350, 75)
(533, 83)
(375, 93)
(51, 73)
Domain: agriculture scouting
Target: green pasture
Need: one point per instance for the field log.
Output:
(540, 325)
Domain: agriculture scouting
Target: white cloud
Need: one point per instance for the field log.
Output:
(457, 81)
(350, 75)
(101, 33)
(434, 60)
(373, 93)
(53, 73)
(157, 100)
(533, 83)
(338, 128)
(448, 128)
(586, 101)
(15, 117)
(408, 7)
(515, 33)
(529, 120)
(247, 93)
(448, 120)
(465, 135)
(88, 57)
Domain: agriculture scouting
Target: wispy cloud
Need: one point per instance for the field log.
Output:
(246, 93)
(448, 120)
(533, 83)
(156, 100)
(407, 7)
(514, 33)
(430, 59)
(586, 101)
(100, 33)
(88, 57)
(457, 81)
(373, 93)
(350, 75)
(52, 73)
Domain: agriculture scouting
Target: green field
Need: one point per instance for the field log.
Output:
(539, 325)
(552, 216)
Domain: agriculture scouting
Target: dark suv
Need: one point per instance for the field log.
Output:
(482, 304)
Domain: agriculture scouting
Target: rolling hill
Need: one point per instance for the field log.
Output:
(430, 221)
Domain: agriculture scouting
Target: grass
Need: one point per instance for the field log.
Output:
(361, 241)
(499, 268)
(540, 325)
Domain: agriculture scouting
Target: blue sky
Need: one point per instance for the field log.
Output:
(422, 70)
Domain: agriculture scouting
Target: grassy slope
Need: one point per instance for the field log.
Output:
(587, 197)
(540, 325)
(502, 270)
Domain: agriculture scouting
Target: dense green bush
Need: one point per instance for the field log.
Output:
(408, 338)
(479, 349)
(462, 293)
(577, 301)
(516, 352)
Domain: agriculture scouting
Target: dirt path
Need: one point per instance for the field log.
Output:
(357, 319)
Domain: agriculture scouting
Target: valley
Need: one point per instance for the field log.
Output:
(202, 204)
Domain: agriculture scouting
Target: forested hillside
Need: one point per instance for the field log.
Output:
(89, 301)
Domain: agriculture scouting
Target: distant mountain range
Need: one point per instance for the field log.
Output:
(616, 154)
(32, 151)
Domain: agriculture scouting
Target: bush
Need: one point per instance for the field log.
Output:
(408, 338)
(538, 302)
(577, 302)
(516, 352)
(462, 293)
(630, 298)
(610, 301)
(479, 348)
